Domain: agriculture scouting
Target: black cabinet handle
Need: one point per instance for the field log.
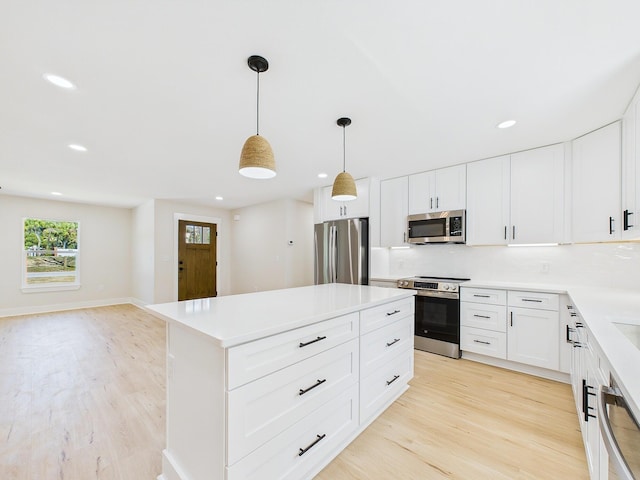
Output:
(625, 221)
(481, 296)
(305, 450)
(531, 300)
(505, 232)
(395, 377)
(511, 318)
(482, 342)
(579, 325)
(392, 313)
(312, 341)
(431, 202)
(514, 232)
(611, 226)
(481, 316)
(319, 382)
(395, 340)
(568, 336)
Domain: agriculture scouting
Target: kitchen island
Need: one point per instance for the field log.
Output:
(276, 384)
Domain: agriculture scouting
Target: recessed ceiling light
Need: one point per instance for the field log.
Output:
(219, 198)
(59, 81)
(506, 124)
(77, 148)
(322, 175)
(56, 193)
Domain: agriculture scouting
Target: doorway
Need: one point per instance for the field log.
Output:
(196, 260)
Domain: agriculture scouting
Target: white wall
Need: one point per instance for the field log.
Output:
(614, 265)
(104, 262)
(262, 257)
(165, 246)
(143, 253)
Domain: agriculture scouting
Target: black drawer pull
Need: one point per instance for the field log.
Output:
(395, 340)
(392, 313)
(305, 450)
(481, 316)
(483, 342)
(319, 382)
(531, 300)
(312, 341)
(395, 377)
(481, 296)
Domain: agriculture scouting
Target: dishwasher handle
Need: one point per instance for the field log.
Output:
(612, 396)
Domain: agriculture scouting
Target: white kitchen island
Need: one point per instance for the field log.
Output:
(276, 384)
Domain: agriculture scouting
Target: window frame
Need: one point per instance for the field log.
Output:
(50, 286)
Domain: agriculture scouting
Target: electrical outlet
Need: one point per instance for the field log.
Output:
(546, 267)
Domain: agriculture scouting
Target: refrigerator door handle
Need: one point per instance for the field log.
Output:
(334, 254)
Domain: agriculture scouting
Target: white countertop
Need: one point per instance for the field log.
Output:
(235, 319)
(600, 309)
(528, 287)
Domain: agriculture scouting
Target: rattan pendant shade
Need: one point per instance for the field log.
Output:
(256, 158)
(344, 187)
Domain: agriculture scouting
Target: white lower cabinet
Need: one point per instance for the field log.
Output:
(282, 406)
(512, 325)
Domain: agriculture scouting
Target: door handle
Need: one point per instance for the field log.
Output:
(626, 224)
(611, 230)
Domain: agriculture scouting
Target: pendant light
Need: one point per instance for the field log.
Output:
(344, 187)
(256, 159)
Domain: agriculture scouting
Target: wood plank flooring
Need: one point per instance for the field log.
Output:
(82, 396)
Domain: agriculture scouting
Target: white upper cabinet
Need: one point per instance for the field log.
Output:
(394, 207)
(438, 190)
(488, 201)
(630, 221)
(537, 196)
(329, 209)
(596, 211)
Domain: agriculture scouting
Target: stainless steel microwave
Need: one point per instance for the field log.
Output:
(437, 227)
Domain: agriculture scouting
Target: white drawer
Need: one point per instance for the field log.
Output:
(291, 454)
(378, 389)
(261, 409)
(485, 342)
(377, 317)
(543, 301)
(479, 315)
(377, 347)
(483, 295)
(253, 360)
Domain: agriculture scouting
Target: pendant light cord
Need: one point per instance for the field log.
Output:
(258, 104)
(344, 149)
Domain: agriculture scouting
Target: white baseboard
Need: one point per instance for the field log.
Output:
(30, 310)
(518, 367)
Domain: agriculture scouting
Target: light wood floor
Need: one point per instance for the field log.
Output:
(82, 396)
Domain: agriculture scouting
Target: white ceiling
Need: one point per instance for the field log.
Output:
(165, 99)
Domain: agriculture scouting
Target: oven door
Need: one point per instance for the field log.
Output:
(425, 228)
(437, 318)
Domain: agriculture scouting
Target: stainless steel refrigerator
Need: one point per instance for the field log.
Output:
(342, 251)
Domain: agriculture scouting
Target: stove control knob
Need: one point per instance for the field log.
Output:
(454, 288)
(446, 286)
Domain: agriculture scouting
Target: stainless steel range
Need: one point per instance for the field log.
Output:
(437, 313)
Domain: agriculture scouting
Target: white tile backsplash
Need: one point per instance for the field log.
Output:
(606, 264)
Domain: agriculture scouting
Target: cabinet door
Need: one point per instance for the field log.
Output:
(394, 208)
(422, 192)
(488, 201)
(533, 337)
(537, 189)
(357, 208)
(596, 185)
(631, 171)
(451, 191)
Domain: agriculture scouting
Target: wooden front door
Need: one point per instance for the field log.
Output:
(196, 260)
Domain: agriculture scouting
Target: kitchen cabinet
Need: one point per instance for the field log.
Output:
(537, 196)
(533, 331)
(367, 204)
(438, 190)
(280, 397)
(596, 163)
(394, 208)
(630, 228)
(483, 321)
(488, 183)
(517, 199)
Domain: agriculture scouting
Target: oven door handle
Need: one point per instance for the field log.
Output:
(611, 396)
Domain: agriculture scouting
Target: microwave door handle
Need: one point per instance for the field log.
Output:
(608, 395)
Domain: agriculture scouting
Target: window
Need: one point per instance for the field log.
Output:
(198, 234)
(50, 253)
